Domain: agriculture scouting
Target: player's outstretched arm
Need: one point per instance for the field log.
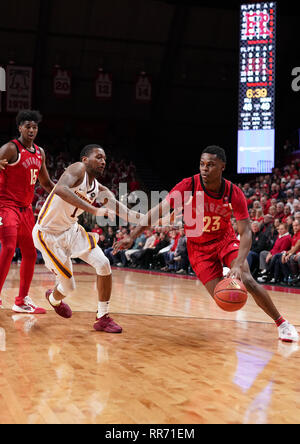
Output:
(71, 178)
(150, 219)
(108, 199)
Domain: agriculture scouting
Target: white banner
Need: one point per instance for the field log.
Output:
(62, 83)
(143, 89)
(104, 85)
(19, 88)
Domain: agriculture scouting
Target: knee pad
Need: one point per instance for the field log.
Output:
(103, 267)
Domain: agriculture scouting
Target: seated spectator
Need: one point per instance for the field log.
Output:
(259, 244)
(280, 210)
(291, 200)
(259, 216)
(114, 259)
(148, 256)
(264, 204)
(150, 243)
(290, 260)
(169, 254)
(138, 245)
(297, 215)
(247, 190)
(287, 212)
(272, 211)
(97, 229)
(269, 260)
(289, 221)
(181, 254)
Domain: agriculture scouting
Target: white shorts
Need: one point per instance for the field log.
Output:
(59, 249)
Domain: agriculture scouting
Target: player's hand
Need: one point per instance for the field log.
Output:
(3, 164)
(122, 244)
(105, 212)
(236, 271)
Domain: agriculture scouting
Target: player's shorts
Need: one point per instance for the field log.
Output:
(207, 260)
(17, 222)
(59, 249)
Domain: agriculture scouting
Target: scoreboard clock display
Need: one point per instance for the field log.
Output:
(256, 129)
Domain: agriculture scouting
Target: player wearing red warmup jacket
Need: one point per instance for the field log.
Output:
(22, 163)
(210, 199)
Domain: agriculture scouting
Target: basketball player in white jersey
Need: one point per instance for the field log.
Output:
(60, 238)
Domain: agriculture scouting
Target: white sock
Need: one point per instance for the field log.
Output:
(53, 301)
(102, 309)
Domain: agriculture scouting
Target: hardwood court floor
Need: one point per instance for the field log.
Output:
(179, 360)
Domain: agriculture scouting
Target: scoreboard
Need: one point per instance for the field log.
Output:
(256, 127)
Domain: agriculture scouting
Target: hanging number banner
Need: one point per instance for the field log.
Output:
(62, 83)
(103, 85)
(19, 88)
(143, 89)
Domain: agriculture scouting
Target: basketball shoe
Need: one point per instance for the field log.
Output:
(107, 324)
(28, 306)
(62, 309)
(287, 332)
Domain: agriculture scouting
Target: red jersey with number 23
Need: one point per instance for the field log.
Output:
(17, 181)
(218, 208)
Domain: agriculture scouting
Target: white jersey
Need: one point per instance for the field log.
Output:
(57, 215)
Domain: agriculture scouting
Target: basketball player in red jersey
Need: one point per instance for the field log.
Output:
(216, 245)
(22, 163)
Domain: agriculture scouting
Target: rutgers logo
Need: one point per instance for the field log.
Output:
(257, 24)
(1, 223)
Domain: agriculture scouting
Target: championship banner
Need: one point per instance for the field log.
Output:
(19, 88)
(62, 82)
(143, 88)
(103, 85)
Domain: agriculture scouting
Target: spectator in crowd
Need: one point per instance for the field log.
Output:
(181, 254)
(290, 260)
(247, 190)
(280, 210)
(268, 259)
(259, 244)
(169, 255)
(291, 200)
(272, 211)
(259, 215)
(289, 220)
(287, 213)
(125, 255)
(136, 257)
(150, 255)
(97, 230)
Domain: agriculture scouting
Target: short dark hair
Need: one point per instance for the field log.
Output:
(87, 150)
(28, 115)
(217, 150)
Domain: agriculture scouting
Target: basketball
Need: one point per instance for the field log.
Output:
(230, 294)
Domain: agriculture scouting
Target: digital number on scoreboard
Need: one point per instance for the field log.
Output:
(257, 87)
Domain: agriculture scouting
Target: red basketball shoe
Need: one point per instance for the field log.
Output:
(107, 324)
(28, 306)
(62, 309)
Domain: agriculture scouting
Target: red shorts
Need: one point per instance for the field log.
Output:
(18, 222)
(207, 260)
